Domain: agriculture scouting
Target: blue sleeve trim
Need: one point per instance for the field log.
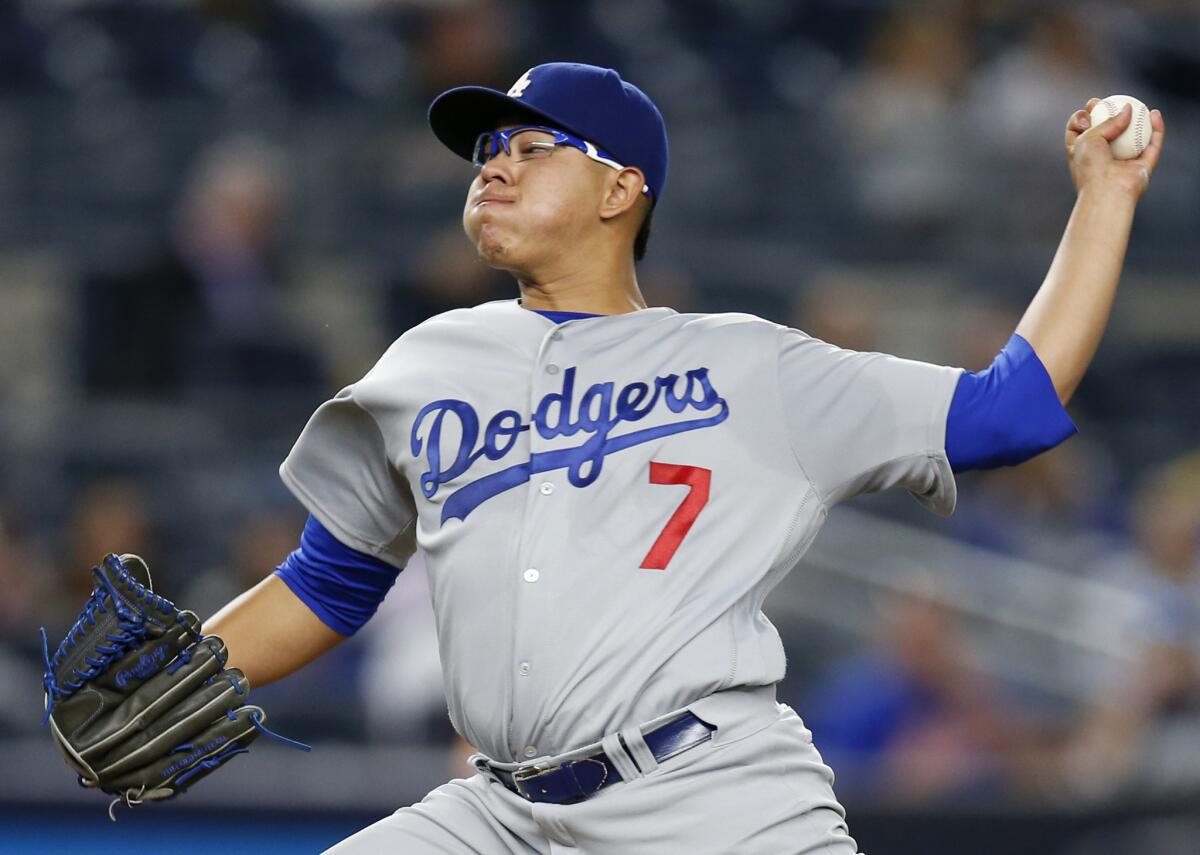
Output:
(342, 586)
(1006, 414)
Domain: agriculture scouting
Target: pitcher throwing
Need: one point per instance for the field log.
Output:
(608, 492)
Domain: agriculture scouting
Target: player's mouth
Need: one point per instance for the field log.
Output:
(493, 200)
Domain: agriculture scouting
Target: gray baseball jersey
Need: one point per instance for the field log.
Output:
(605, 503)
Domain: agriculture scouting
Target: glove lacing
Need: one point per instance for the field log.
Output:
(258, 715)
(131, 627)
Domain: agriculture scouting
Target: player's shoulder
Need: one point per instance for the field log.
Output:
(451, 326)
(433, 342)
(461, 320)
(738, 326)
(724, 320)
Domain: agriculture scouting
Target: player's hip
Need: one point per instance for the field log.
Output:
(758, 787)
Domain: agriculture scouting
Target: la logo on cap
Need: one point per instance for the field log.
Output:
(518, 88)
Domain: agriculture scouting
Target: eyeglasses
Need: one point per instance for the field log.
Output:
(489, 143)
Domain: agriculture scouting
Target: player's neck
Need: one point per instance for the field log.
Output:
(584, 291)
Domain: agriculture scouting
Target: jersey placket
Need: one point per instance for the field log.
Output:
(536, 567)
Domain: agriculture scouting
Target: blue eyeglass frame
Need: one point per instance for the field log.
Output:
(489, 143)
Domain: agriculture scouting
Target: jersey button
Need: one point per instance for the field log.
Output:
(524, 669)
(547, 488)
(551, 368)
(531, 575)
(530, 751)
(556, 335)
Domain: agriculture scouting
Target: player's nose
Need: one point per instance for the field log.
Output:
(498, 168)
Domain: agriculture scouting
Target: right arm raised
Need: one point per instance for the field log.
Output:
(270, 632)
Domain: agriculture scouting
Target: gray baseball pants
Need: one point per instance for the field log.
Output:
(758, 786)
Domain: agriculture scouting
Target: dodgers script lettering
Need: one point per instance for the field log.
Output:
(594, 415)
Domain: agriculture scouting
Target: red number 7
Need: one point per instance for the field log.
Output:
(680, 523)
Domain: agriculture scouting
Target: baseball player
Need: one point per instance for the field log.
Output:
(607, 492)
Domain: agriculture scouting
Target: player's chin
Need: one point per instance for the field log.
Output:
(493, 245)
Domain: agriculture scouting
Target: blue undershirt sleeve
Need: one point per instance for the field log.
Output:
(342, 586)
(1006, 414)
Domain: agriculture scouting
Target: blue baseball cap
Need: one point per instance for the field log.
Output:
(588, 101)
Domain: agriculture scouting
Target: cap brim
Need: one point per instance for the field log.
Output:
(458, 116)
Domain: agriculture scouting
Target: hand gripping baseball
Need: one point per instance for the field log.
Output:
(1091, 160)
(139, 703)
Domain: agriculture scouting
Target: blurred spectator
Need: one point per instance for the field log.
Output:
(981, 332)
(1048, 509)
(402, 674)
(671, 285)
(836, 310)
(898, 115)
(258, 50)
(1144, 725)
(205, 308)
(1023, 95)
(467, 43)
(256, 546)
(24, 581)
(445, 275)
(111, 514)
(1156, 40)
(906, 721)
(1017, 111)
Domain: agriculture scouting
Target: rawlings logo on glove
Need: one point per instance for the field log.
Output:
(139, 703)
(146, 665)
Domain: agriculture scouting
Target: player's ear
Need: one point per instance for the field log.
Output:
(622, 191)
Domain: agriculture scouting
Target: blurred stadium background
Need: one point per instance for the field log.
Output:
(215, 213)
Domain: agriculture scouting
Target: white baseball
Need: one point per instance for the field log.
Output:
(1133, 140)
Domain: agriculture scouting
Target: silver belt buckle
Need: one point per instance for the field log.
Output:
(528, 773)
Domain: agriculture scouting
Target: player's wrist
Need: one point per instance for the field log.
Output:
(1109, 194)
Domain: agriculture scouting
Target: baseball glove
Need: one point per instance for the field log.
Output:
(139, 703)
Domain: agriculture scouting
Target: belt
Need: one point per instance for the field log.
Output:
(581, 778)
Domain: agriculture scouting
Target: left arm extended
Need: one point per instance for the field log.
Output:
(1067, 317)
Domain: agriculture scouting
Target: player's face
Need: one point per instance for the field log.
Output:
(531, 205)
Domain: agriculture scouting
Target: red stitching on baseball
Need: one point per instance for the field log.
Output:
(1139, 126)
